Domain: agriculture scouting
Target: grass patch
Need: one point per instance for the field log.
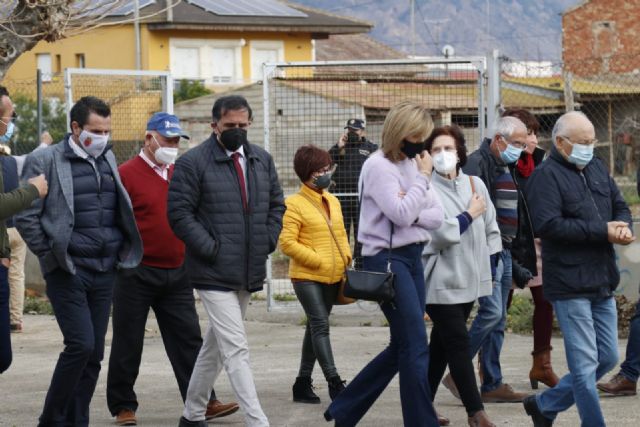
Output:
(284, 297)
(37, 305)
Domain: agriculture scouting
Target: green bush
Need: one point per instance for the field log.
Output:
(189, 89)
(520, 315)
(54, 120)
(37, 305)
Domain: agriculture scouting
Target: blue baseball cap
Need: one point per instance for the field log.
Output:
(166, 125)
(355, 124)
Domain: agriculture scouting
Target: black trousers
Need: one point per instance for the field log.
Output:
(81, 303)
(449, 344)
(169, 294)
(5, 326)
(317, 301)
(351, 215)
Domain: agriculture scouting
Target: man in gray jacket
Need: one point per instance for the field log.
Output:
(226, 204)
(81, 232)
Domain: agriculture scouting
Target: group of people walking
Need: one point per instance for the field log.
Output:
(453, 228)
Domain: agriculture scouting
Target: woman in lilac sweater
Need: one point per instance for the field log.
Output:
(397, 198)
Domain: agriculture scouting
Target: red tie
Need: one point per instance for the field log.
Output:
(240, 173)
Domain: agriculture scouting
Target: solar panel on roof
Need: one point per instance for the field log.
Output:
(98, 7)
(129, 7)
(248, 8)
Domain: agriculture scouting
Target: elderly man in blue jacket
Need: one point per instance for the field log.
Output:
(579, 213)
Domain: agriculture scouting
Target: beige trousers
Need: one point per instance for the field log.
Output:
(16, 275)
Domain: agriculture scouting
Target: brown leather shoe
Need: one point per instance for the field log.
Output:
(451, 385)
(217, 409)
(480, 419)
(503, 394)
(442, 420)
(126, 417)
(618, 385)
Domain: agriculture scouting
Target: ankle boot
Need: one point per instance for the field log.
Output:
(336, 385)
(480, 419)
(541, 370)
(303, 391)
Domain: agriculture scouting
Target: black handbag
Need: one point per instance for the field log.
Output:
(372, 285)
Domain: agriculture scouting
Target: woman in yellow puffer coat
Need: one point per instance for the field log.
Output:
(313, 236)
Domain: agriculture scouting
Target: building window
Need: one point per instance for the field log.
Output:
(58, 64)
(213, 61)
(223, 61)
(44, 65)
(185, 63)
(264, 51)
(80, 60)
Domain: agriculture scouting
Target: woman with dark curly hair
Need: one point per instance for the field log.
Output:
(457, 266)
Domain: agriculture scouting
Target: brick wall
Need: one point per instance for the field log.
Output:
(602, 37)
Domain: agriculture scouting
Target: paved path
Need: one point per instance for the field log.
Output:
(275, 340)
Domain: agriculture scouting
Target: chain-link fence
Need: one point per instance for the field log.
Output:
(32, 117)
(133, 97)
(326, 104)
(44, 105)
(610, 100)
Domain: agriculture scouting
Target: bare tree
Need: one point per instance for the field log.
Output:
(23, 23)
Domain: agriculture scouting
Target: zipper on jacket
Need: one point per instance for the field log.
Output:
(584, 180)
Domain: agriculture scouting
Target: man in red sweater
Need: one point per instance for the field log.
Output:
(160, 281)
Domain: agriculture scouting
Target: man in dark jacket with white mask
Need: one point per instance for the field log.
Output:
(578, 213)
(226, 204)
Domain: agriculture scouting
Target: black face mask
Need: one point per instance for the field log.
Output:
(411, 149)
(353, 137)
(233, 138)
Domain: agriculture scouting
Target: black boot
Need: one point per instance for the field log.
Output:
(336, 385)
(303, 391)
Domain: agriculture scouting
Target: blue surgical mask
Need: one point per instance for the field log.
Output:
(581, 154)
(4, 139)
(511, 154)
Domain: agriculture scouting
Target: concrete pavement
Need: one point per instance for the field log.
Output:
(275, 340)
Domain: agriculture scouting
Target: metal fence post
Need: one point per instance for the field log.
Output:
(39, 100)
(267, 70)
(493, 87)
(68, 95)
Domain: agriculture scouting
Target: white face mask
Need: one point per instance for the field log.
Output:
(165, 155)
(92, 143)
(445, 162)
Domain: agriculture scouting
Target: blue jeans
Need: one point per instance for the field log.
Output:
(81, 304)
(5, 329)
(487, 329)
(630, 368)
(590, 330)
(407, 352)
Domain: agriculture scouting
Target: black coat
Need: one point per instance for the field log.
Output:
(523, 247)
(349, 161)
(570, 210)
(225, 246)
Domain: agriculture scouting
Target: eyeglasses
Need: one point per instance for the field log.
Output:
(516, 144)
(589, 142)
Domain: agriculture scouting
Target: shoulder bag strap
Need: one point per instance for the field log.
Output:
(473, 187)
(390, 232)
(324, 215)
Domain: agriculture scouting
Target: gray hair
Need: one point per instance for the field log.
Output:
(561, 128)
(507, 126)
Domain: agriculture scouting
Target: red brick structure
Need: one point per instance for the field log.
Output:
(602, 37)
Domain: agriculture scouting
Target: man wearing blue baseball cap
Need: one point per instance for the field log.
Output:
(159, 282)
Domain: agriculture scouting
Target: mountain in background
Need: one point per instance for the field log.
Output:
(520, 29)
